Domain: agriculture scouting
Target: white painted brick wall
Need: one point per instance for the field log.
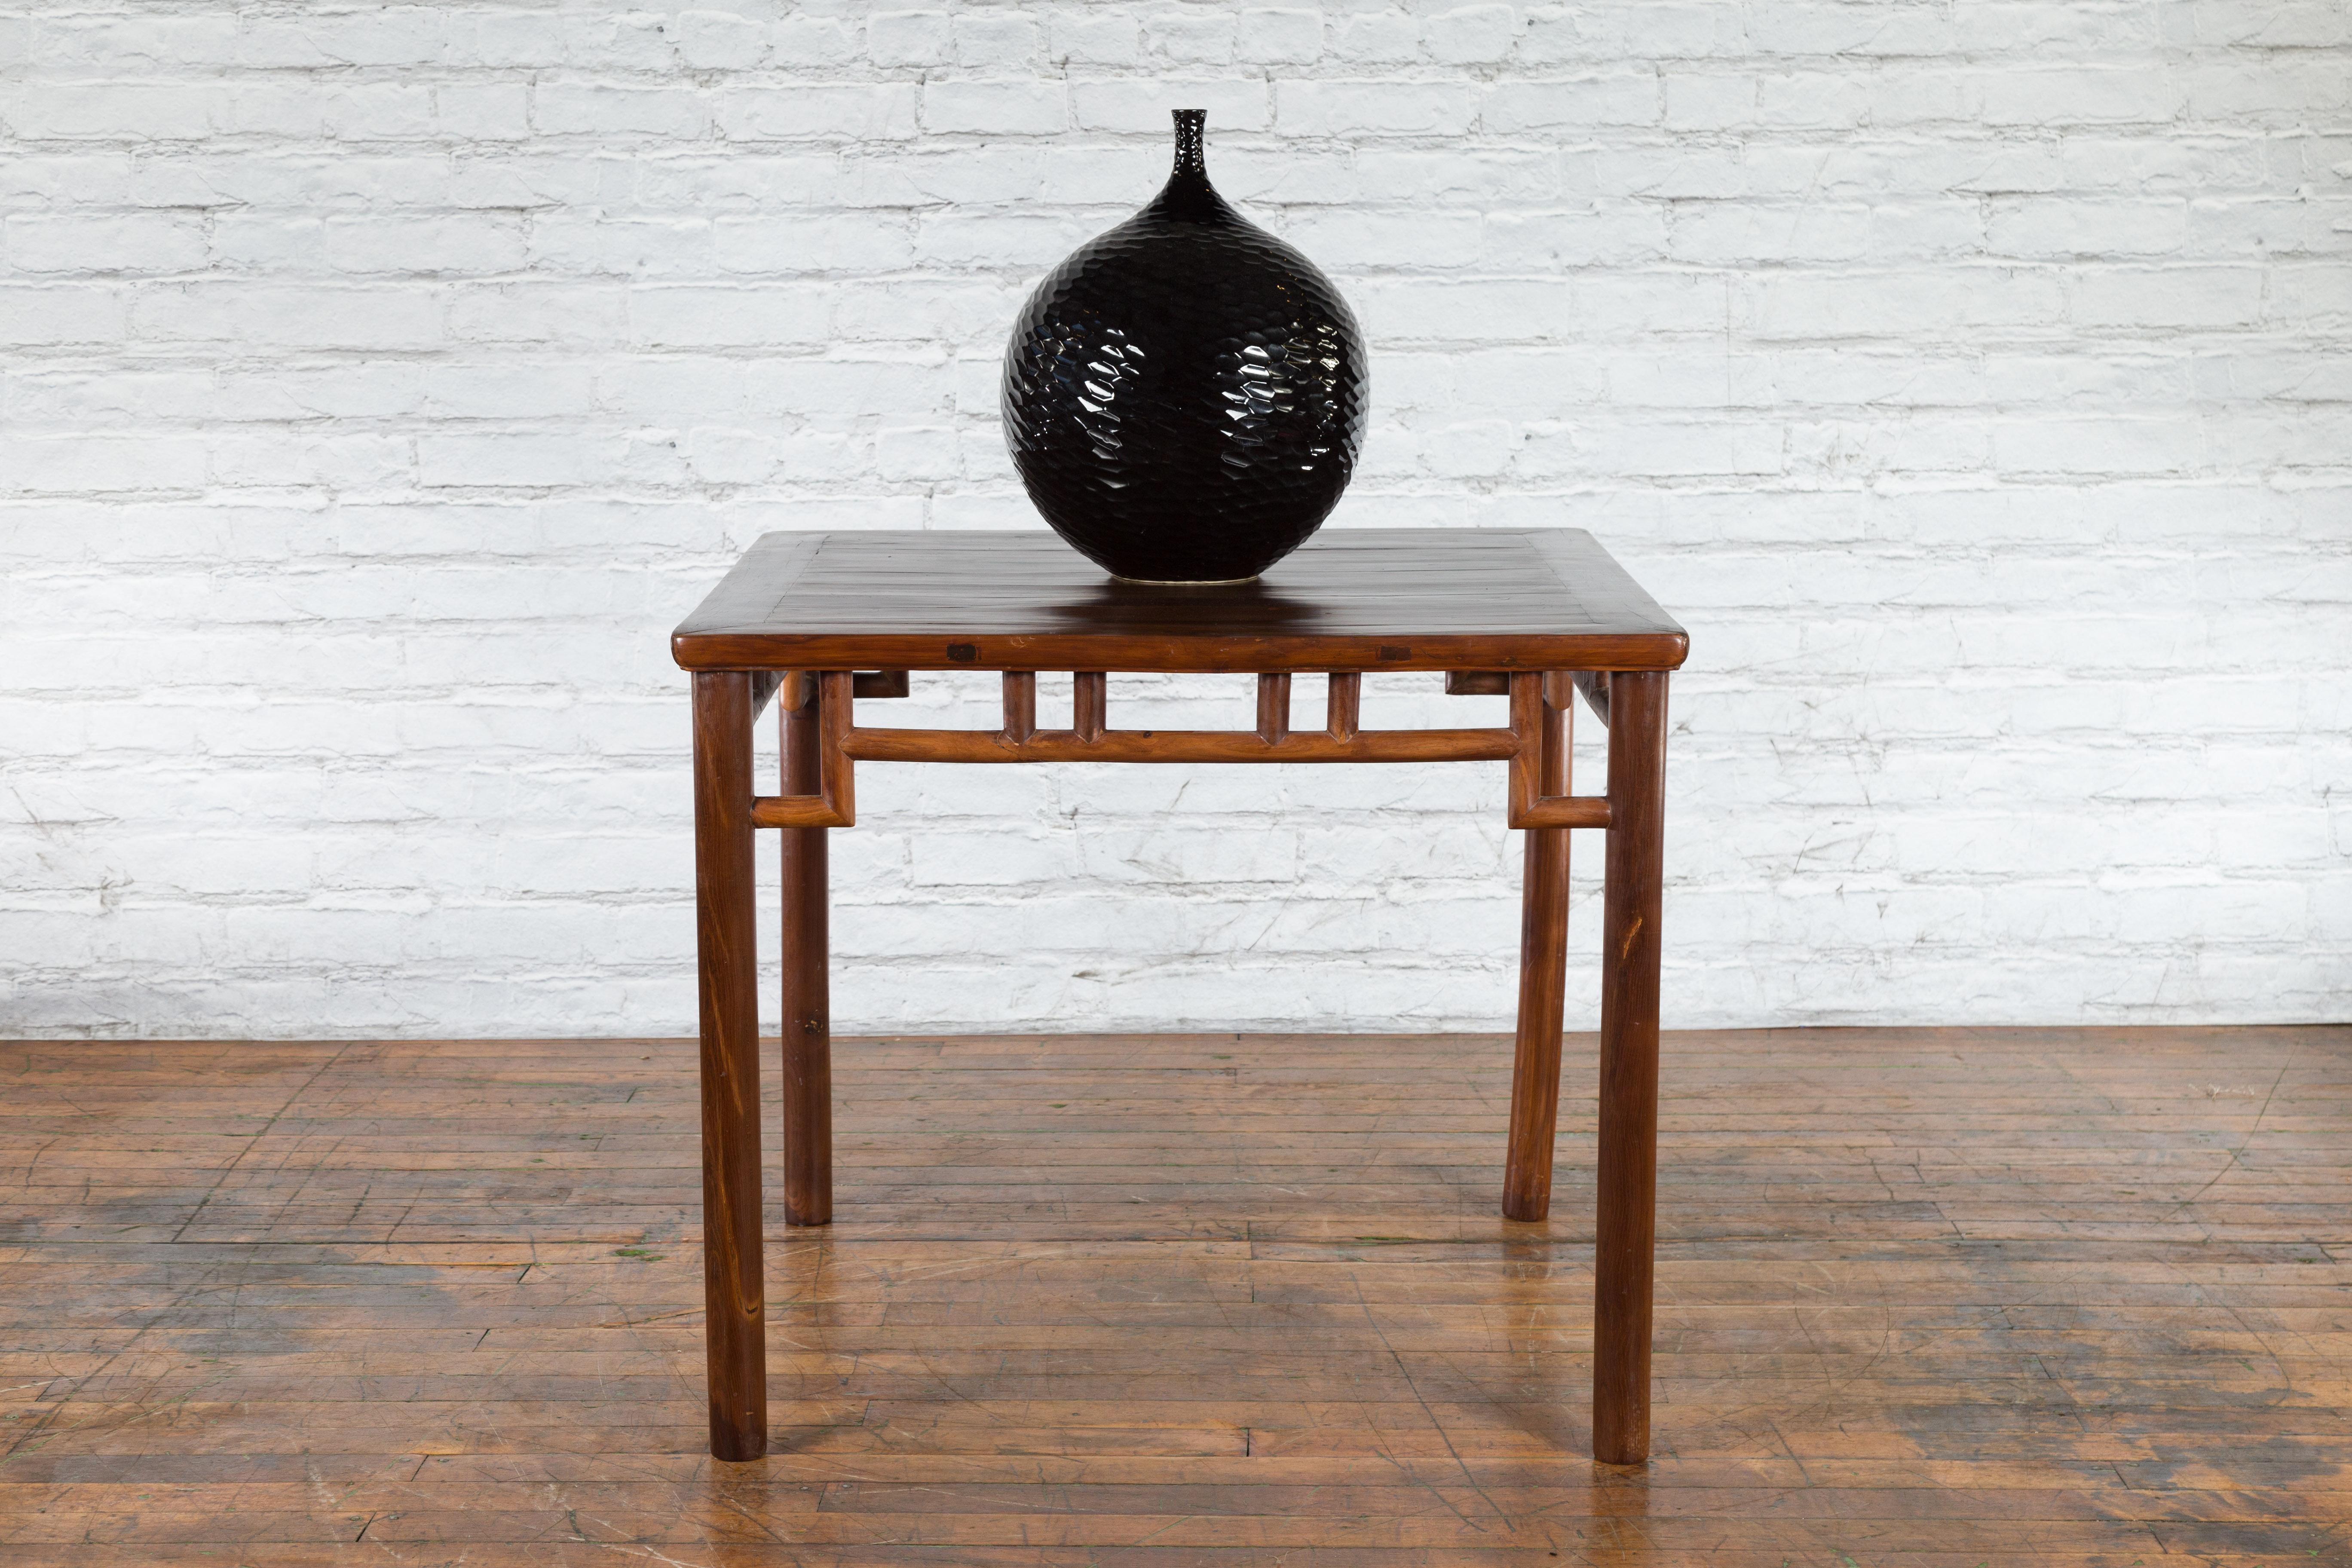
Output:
(381, 382)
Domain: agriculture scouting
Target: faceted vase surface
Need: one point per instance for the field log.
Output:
(1185, 396)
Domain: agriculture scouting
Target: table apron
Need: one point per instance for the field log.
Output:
(825, 703)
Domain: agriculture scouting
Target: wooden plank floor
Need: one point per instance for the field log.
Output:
(1928, 1296)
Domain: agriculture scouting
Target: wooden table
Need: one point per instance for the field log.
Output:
(828, 617)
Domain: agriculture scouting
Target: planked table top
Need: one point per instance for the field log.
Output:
(1405, 599)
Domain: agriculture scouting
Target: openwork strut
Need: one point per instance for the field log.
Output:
(1535, 745)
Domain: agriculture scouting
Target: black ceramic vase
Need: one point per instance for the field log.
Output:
(1185, 395)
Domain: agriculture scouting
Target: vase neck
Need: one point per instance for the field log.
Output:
(1188, 194)
(1191, 158)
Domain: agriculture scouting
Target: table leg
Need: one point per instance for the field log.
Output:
(726, 934)
(807, 1010)
(1543, 980)
(1627, 1221)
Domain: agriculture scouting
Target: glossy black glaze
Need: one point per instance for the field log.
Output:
(1185, 396)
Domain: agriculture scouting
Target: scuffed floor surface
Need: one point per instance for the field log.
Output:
(1926, 1297)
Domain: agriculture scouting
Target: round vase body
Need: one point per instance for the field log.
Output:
(1185, 396)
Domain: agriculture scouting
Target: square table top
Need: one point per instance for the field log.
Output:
(1405, 599)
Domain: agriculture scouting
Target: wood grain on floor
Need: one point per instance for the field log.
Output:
(1942, 1298)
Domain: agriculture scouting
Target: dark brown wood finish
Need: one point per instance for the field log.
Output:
(806, 1016)
(1405, 599)
(1343, 704)
(727, 931)
(1926, 1298)
(1535, 700)
(1498, 611)
(834, 802)
(1543, 985)
(1019, 705)
(1089, 704)
(1273, 708)
(911, 745)
(1626, 1213)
